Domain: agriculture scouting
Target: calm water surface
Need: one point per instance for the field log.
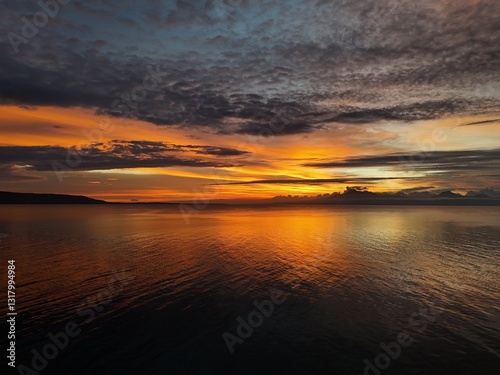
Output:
(352, 278)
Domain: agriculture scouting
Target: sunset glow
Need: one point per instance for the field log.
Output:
(307, 116)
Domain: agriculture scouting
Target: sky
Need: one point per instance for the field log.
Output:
(181, 99)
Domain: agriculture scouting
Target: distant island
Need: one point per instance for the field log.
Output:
(31, 198)
(357, 195)
(354, 195)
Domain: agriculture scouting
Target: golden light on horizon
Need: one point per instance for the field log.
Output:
(275, 159)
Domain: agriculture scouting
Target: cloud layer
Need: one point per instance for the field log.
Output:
(116, 155)
(252, 67)
(301, 94)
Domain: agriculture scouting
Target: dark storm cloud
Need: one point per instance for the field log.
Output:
(416, 111)
(113, 155)
(240, 67)
(151, 147)
(216, 151)
(443, 161)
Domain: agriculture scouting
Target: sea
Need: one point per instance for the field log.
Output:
(154, 289)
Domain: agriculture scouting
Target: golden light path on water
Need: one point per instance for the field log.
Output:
(352, 278)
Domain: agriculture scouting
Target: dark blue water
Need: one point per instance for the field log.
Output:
(149, 293)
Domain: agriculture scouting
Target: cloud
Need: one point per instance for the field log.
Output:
(407, 113)
(417, 189)
(240, 67)
(115, 154)
(216, 151)
(482, 122)
(428, 161)
(9, 173)
(317, 181)
(458, 169)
